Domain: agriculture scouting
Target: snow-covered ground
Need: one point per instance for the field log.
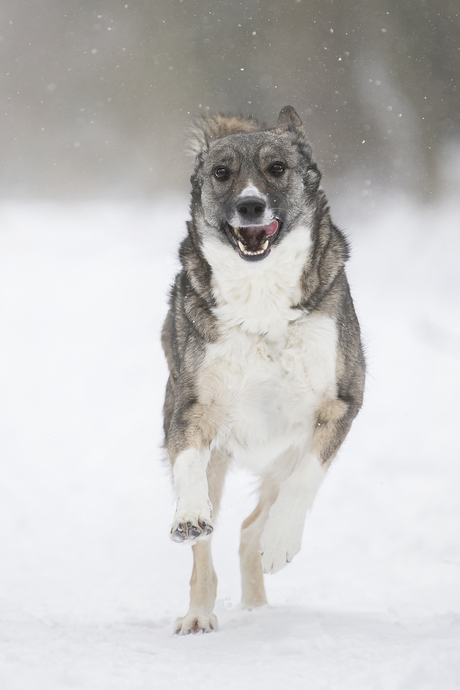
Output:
(90, 583)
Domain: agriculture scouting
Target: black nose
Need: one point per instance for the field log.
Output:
(251, 208)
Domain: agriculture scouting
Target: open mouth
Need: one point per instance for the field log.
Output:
(253, 242)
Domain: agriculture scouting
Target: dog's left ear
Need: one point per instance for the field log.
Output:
(289, 121)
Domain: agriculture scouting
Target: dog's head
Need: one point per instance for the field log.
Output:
(252, 185)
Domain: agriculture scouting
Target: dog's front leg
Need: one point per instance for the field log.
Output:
(282, 534)
(194, 510)
(203, 585)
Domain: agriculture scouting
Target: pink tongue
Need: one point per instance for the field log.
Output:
(271, 228)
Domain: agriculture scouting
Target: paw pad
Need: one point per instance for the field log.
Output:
(190, 530)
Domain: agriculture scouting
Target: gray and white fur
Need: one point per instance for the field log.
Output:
(263, 347)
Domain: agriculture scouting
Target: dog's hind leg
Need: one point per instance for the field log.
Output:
(203, 588)
(252, 578)
(203, 583)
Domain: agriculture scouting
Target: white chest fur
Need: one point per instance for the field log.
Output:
(263, 393)
(259, 296)
(273, 366)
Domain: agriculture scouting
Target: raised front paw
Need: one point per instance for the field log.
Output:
(279, 544)
(191, 528)
(195, 622)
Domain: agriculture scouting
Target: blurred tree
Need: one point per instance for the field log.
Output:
(96, 96)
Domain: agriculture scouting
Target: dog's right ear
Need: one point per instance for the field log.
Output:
(197, 139)
(208, 128)
(289, 121)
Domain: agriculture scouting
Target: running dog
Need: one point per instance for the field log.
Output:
(263, 347)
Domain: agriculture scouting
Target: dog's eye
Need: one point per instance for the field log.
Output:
(277, 168)
(221, 173)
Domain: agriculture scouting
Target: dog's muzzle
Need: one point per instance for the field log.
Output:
(253, 242)
(247, 227)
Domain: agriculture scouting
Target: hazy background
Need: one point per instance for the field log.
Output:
(96, 95)
(95, 101)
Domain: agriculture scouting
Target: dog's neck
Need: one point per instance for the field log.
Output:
(258, 297)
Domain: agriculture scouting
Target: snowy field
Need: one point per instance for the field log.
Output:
(90, 583)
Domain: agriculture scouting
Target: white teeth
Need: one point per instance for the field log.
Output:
(243, 249)
(248, 253)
